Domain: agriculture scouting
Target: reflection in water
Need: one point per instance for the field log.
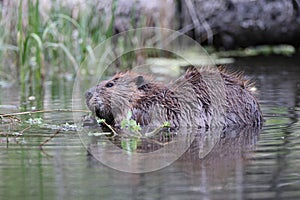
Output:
(230, 152)
(199, 171)
(149, 154)
(213, 153)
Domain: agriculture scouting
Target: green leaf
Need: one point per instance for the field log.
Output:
(123, 124)
(166, 124)
(100, 120)
(130, 144)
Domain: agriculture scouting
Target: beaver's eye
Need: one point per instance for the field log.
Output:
(110, 84)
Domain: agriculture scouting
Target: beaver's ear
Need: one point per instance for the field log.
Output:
(139, 81)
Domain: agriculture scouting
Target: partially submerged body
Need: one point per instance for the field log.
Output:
(199, 98)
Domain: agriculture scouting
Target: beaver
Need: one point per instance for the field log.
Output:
(202, 97)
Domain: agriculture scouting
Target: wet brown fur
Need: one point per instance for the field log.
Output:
(201, 97)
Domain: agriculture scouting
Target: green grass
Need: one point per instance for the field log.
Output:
(59, 44)
(38, 49)
(34, 49)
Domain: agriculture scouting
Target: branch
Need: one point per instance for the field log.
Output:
(43, 143)
(41, 111)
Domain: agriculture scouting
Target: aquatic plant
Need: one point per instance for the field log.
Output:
(47, 46)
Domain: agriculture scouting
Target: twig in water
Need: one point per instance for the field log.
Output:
(25, 129)
(41, 111)
(43, 143)
(44, 152)
(110, 127)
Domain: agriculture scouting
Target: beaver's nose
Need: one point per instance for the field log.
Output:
(88, 94)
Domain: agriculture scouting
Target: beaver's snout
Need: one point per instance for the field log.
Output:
(96, 102)
(88, 94)
(93, 100)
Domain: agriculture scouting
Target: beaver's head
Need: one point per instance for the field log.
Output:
(115, 96)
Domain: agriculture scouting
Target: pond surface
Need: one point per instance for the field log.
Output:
(245, 164)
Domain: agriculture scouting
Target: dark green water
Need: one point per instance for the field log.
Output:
(247, 164)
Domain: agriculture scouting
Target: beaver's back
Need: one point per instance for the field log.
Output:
(200, 98)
